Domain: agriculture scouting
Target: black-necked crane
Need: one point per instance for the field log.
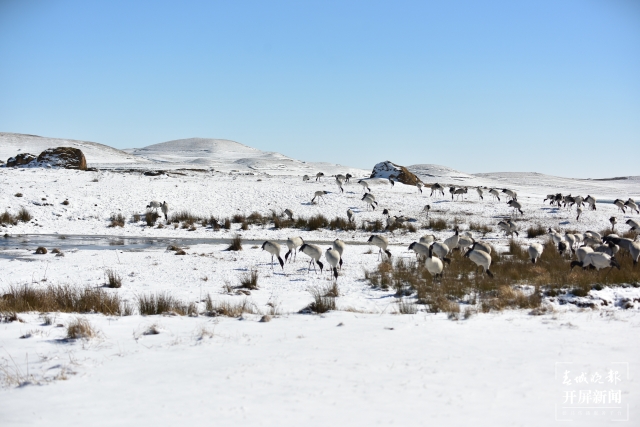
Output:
(480, 258)
(339, 246)
(452, 241)
(495, 193)
(154, 204)
(433, 264)
(435, 188)
(350, 215)
(516, 205)
(319, 195)
(293, 243)
(365, 185)
(613, 221)
(509, 227)
(333, 258)
(315, 253)
(427, 239)
(370, 200)
(381, 242)
(441, 250)
(510, 193)
(274, 249)
(631, 204)
(460, 192)
(419, 249)
(452, 191)
(289, 213)
(535, 250)
(319, 175)
(165, 210)
(627, 244)
(598, 260)
(419, 185)
(635, 225)
(591, 201)
(620, 204)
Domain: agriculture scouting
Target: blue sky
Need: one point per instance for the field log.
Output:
(480, 86)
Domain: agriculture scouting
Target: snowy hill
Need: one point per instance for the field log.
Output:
(531, 182)
(96, 154)
(225, 155)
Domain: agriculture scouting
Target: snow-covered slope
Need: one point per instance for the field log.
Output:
(530, 182)
(96, 154)
(430, 173)
(225, 155)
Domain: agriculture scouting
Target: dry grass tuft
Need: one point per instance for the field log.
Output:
(113, 278)
(321, 301)
(316, 222)
(342, 224)
(41, 250)
(7, 219)
(60, 298)
(24, 215)
(535, 231)
(117, 220)
(437, 224)
(332, 291)
(18, 194)
(228, 309)
(236, 243)
(80, 328)
(405, 307)
(150, 218)
(164, 303)
(373, 226)
(481, 228)
(184, 216)
(249, 280)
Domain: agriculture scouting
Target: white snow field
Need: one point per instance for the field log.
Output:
(361, 364)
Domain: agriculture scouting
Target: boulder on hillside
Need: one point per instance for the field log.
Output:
(20, 160)
(63, 157)
(398, 173)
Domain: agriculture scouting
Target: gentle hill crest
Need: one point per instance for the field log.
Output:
(12, 144)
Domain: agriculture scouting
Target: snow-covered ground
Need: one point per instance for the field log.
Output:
(337, 369)
(362, 364)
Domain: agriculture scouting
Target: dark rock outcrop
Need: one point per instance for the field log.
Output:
(63, 157)
(21, 160)
(398, 173)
